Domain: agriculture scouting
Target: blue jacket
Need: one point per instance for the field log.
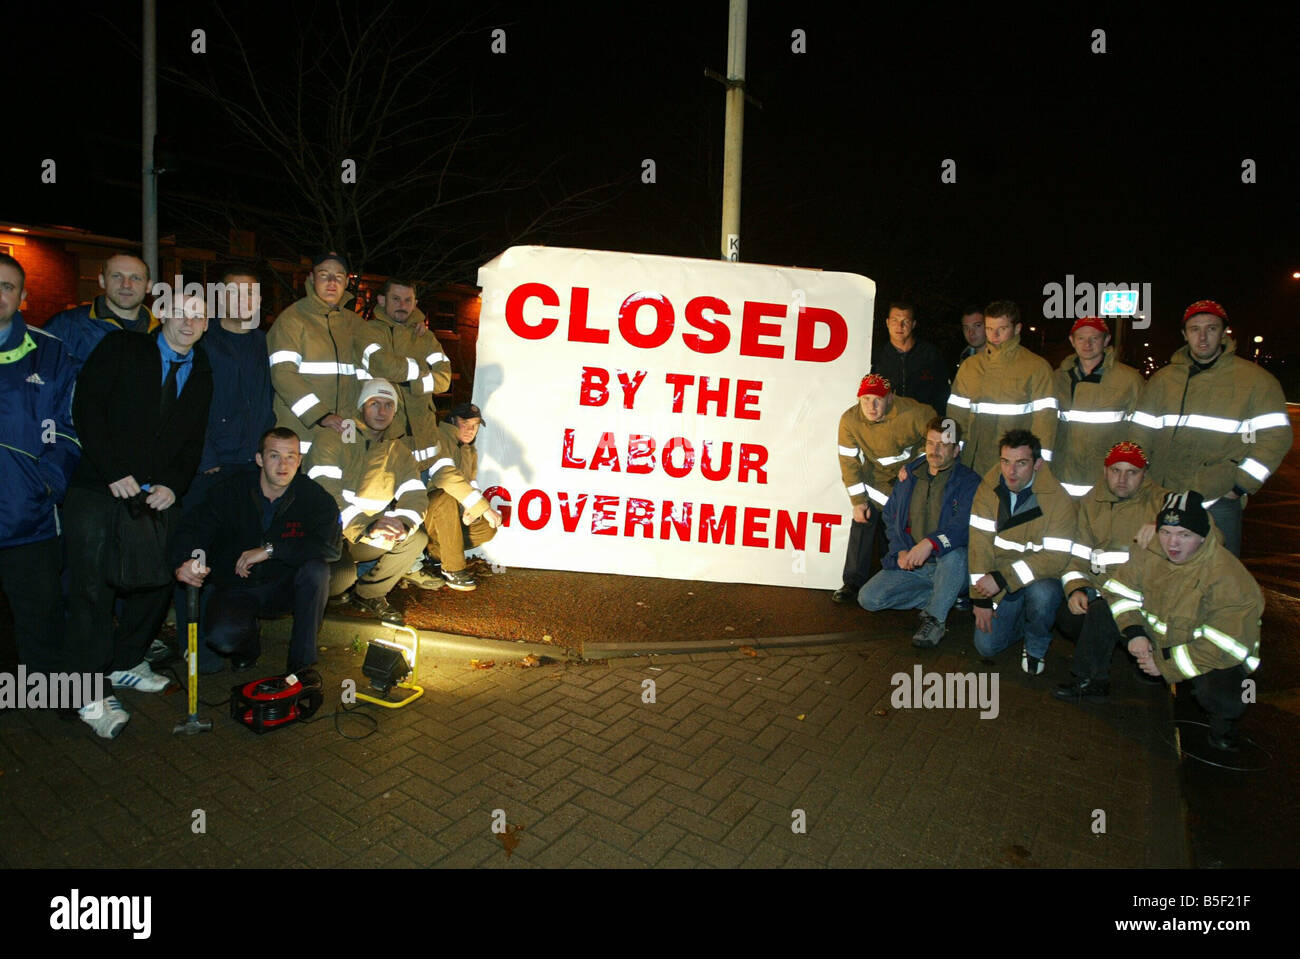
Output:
(241, 396)
(38, 445)
(82, 327)
(954, 520)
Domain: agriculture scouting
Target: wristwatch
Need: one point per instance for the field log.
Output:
(270, 549)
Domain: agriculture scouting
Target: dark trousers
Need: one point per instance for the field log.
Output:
(1227, 515)
(1095, 636)
(862, 558)
(1220, 694)
(231, 611)
(94, 644)
(380, 580)
(193, 498)
(30, 577)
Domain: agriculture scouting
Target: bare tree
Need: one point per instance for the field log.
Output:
(379, 150)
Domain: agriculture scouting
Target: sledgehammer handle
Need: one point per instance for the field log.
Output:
(192, 640)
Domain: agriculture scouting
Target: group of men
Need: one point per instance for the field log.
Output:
(1082, 499)
(275, 472)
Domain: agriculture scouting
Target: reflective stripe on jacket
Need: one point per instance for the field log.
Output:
(1092, 420)
(1002, 388)
(1200, 615)
(1225, 426)
(373, 476)
(410, 357)
(871, 453)
(1033, 544)
(315, 351)
(1107, 525)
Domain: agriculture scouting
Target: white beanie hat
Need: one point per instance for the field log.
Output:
(377, 387)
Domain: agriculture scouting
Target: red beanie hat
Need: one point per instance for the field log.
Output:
(1096, 322)
(1205, 306)
(873, 384)
(1127, 452)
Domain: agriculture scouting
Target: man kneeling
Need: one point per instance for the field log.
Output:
(927, 520)
(1190, 612)
(262, 543)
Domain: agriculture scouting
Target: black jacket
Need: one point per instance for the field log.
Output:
(304, 526)
(920, 373)
(116, 407)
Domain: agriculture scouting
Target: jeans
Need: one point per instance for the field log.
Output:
(934, 587)
(1096, 636)
(1227, 516)
(861, 556)
(1030, 611)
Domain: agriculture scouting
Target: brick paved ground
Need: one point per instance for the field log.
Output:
(709, 774)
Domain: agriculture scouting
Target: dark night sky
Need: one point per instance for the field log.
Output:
(1122, 167)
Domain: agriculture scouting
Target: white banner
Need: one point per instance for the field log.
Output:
(662, 416)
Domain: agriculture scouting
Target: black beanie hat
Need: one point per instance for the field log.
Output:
(1185, 510)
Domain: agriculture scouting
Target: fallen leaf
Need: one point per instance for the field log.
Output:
(509, 839)
(481, 665)
(547, 638)
(730, 629)
(801, 716)
(529, 660)
(882, 711)
(747, 650)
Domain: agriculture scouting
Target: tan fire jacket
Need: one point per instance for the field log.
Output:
(1200, 616)
(455, 470)
(1092, 421)
(1107, 525)
(371, 477)
(314, 351)
(1226, 426)
(1033, 544)
(871, 453)
(410, 357)
(998, 389)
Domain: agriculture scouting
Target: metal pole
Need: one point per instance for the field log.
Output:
(149, 201)
(735, 130)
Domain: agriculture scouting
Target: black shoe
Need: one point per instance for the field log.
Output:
(241, 663)
(341, 600)
(1228, 741)
(380, 608)
(459, 579)
(1095, 690)
(963, 604)
(845, 596)
(160, 653)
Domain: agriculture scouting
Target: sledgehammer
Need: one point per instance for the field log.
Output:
(192, 724)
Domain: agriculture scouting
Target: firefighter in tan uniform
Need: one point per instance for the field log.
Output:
(315, 347)
(376, 484)
(877, 435)
(1095, 393)
(1002, 388)
(1212, 421)
(1114, 516)
(458, 517)
(1021, 537)
(404, 351)
(1191, 613)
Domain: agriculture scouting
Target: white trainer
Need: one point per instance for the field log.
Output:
(141, 677)
(107, 717)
